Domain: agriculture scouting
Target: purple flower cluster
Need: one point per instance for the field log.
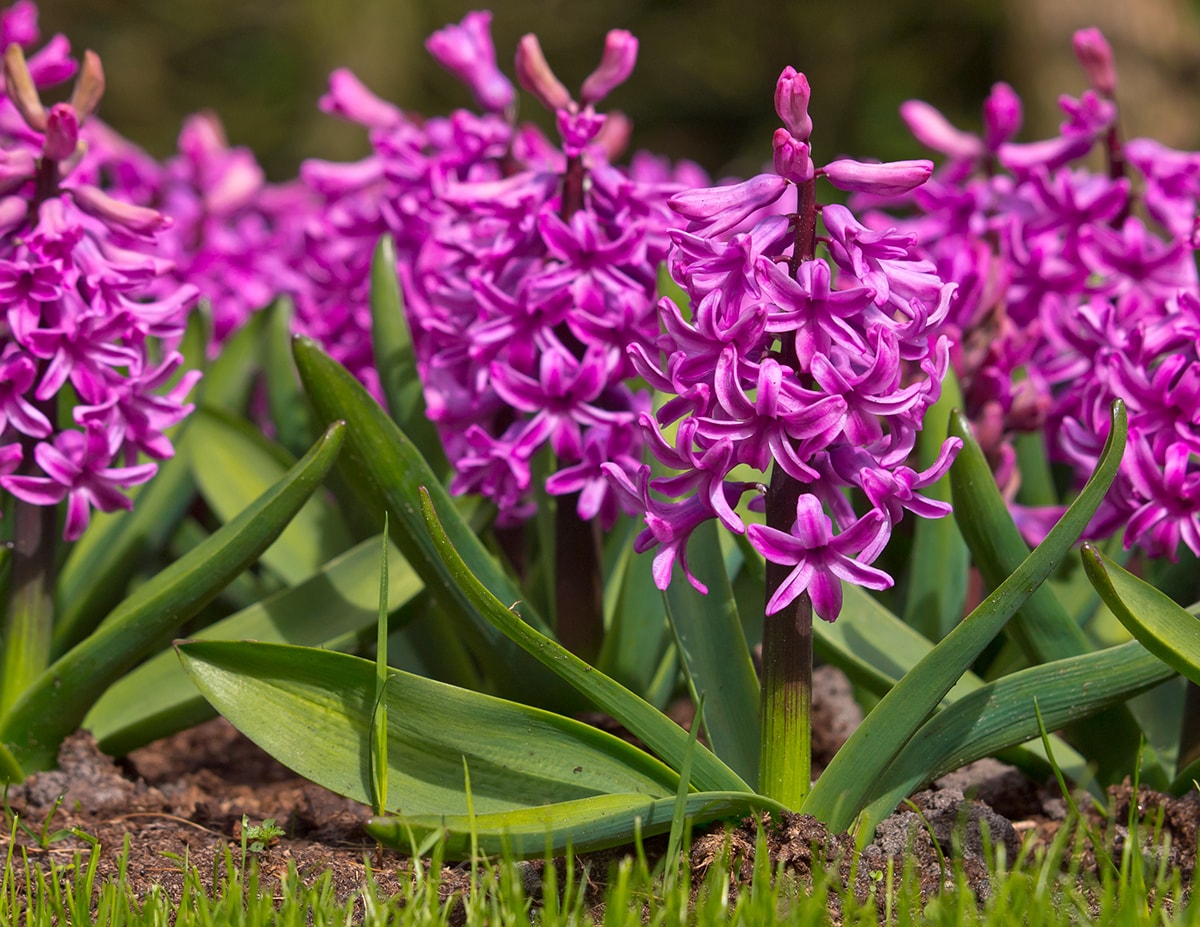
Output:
(1075, 287)
(819, 369)
(526, 266)
(84, 327)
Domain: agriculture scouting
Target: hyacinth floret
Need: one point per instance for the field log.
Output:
(85, 324)
(814, 371)
(1076, 287)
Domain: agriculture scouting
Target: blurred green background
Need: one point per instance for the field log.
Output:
(702, 88)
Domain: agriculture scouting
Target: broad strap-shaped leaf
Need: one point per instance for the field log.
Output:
(116, 545)
(285, 399)
(311, 710)
(716, 660)
(935, 598)
(1001, 714)
(582, 826)
(1162, 626)
(386, 469)
(57, 701)
(234, 464)
(842, 790)
(329, 611)
(10, 769)
(1042, 627)
(656, 730)
(395, 359)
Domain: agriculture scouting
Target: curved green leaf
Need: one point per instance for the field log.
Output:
(1044, 629)
(57, 701)
(236, 466)
(289, 411)
(329, 610)
(656, 730)
(1162, 626)
(841, 791)
(100, 565)
(385, 466)
(10, 769)
(934, 602)
(1001, 714)
(716, 660)
(582, 826)
(311, 709)
(395, 359)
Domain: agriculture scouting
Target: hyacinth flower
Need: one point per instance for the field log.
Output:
(1076, 287)
(813, 370)
(89, 366)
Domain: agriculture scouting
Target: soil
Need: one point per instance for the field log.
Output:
(184, 798)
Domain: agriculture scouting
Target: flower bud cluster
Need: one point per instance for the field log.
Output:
(85, 329)
(1075, 287)
(817, 369)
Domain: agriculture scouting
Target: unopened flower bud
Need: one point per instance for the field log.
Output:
(89, 88)
(137, 219)
(1002, 116)
(349, 98)
(934, 131)
(620, 55)
(719, 209)
(19, 85)
(1096, 56)
(19, 23)
(534, 74)
(888, 179)
(467, 52)
(614, 135)
(62, 132)
(792, 157)
(792, 94)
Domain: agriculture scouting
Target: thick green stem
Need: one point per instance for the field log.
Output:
(25, 643)
(785, 753)
(785, 757)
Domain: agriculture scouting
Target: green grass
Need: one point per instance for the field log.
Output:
(1043, 891)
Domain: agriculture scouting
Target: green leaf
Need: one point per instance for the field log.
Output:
(55, 704)
(288, 699)
(228, 379)
(117, 545)
(1044, 630)
(10, 769)
(638, 635)
(235, 466)
(841, 791)
(329, 610)
(1162, 626)
(289, 410)
(1001, 714)
(714, 653)
(583, 825)
(395, 359)
(656, 730)
(936, 597)
(387, 470)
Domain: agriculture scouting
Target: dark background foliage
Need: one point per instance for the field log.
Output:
(703, 86)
